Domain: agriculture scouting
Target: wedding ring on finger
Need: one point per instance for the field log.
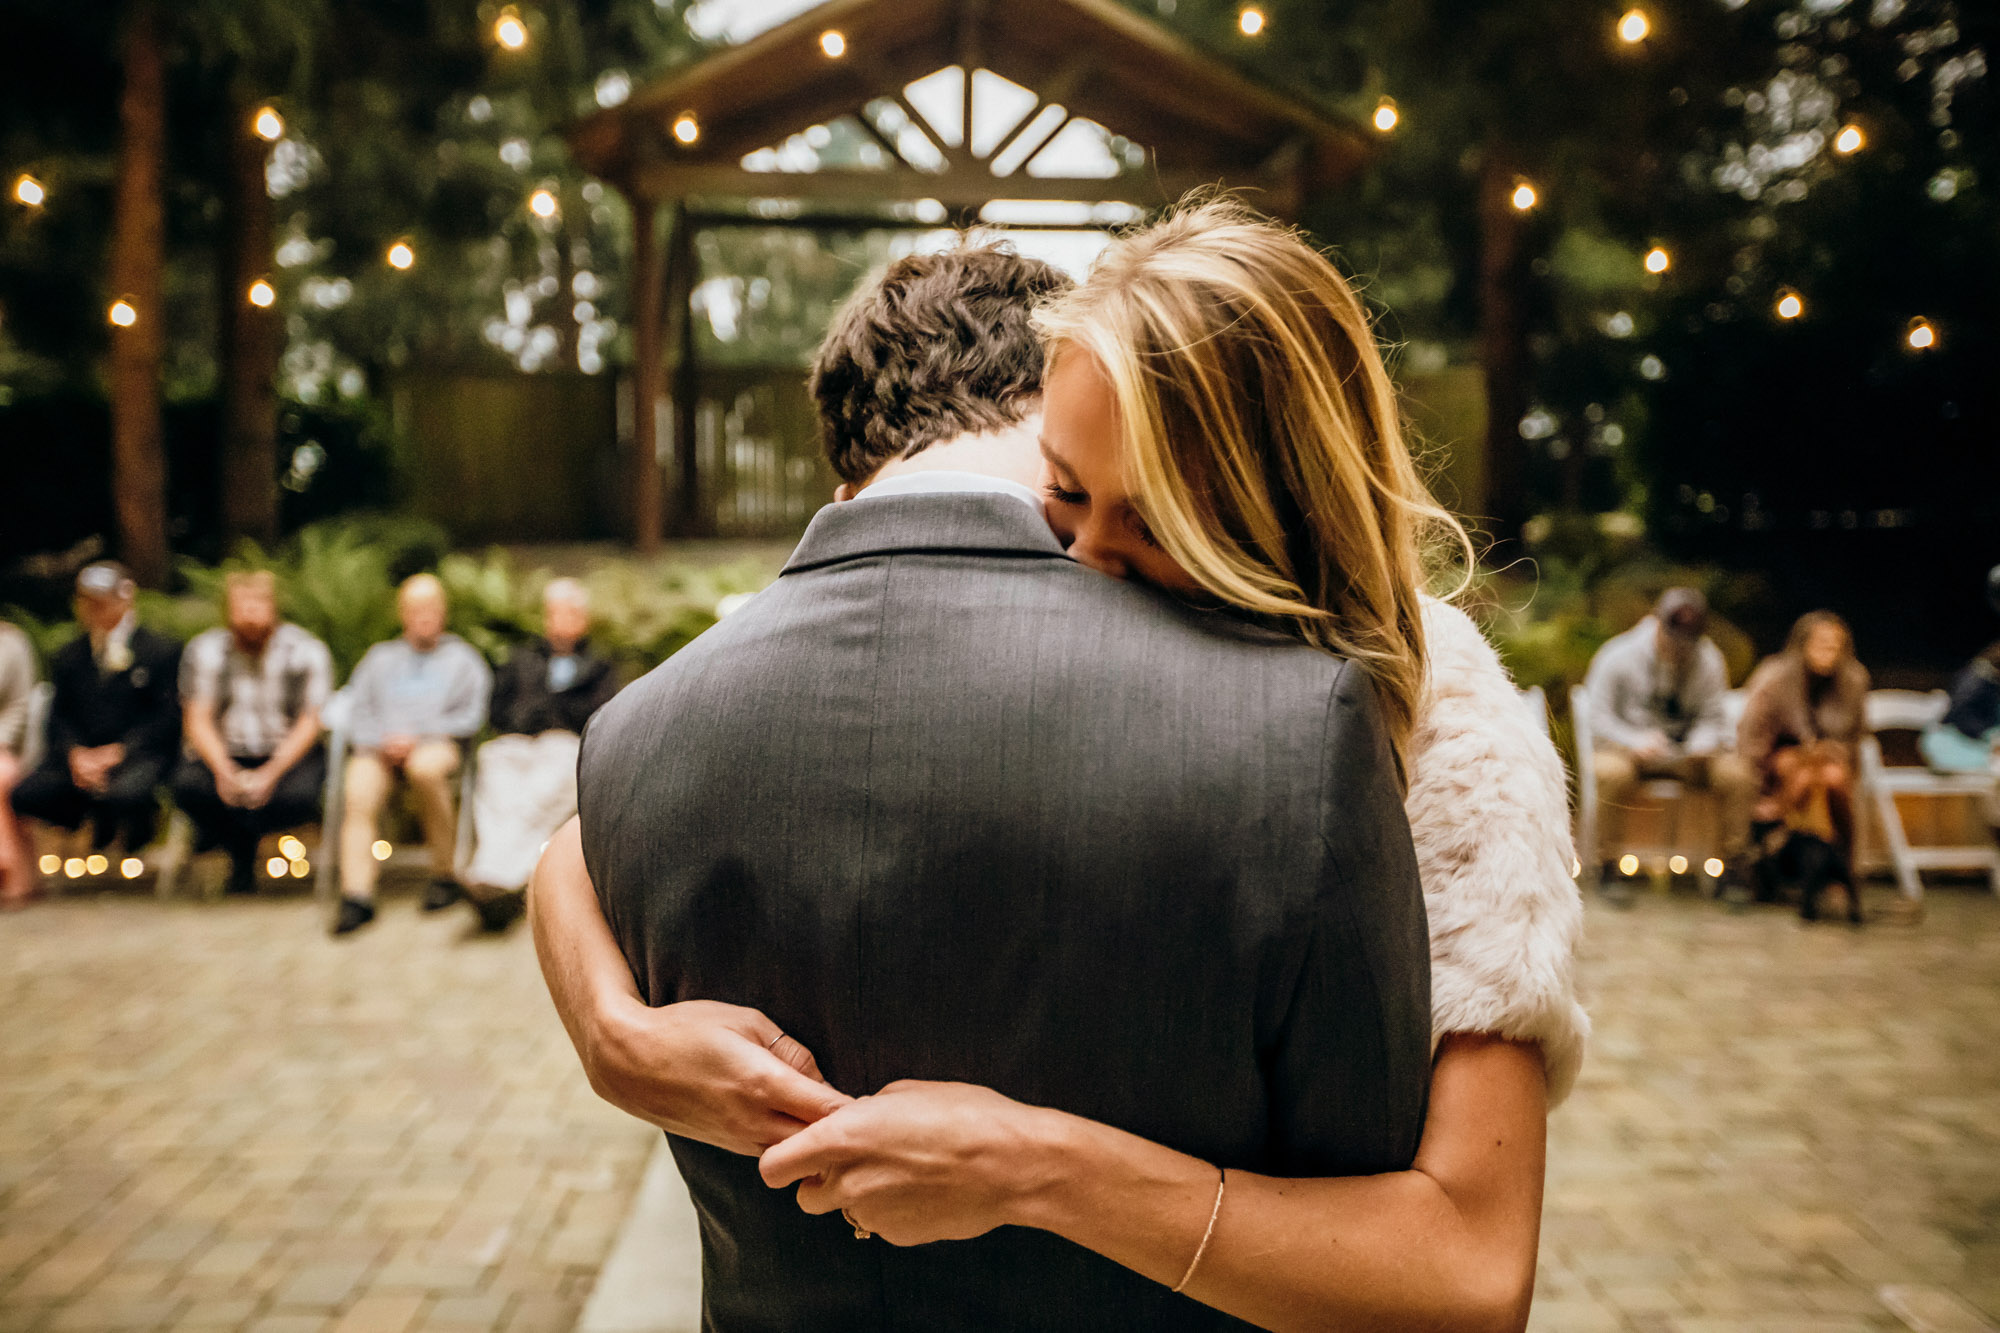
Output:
(772, 1043)
(860, 1232)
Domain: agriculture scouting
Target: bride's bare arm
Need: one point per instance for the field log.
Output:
(1449, 1243)
(719, 1073)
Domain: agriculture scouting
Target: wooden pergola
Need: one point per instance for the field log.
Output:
(701, 145)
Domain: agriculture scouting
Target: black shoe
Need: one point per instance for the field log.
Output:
(354, 914)
(500, 911)
(441, 894)
(242, 876)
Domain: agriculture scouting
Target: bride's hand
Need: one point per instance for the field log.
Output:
(719, 1073)
(919, 1162)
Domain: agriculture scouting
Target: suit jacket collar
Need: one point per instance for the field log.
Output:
(966, 523)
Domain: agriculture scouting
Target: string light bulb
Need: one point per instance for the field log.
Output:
(542, 203)
(1386, 116)
(1922, 335)
(267, 124)
(402, 255)
(29, 191)
(123, 313)
(1712, 867)
(380, 850)
(131, 867)
(1628, 864)
(1790, 304)
(1658, 260)
(686, 128)
(1850, 140)
(1250, 21)
(833, 43)
(262, 294)
(1677, 864)
(1634, 27)
(1524, 197)
(509, 30)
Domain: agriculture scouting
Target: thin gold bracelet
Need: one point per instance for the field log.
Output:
(1206, 1236)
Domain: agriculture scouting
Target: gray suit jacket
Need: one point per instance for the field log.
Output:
(948, 805)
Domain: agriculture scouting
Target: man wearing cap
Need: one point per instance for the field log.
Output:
(1656, 705)
(115, 722)
(252, 691)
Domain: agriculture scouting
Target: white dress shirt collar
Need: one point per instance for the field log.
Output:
(942, 481)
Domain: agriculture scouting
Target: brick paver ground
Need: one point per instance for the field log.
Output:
(1777, 1121)
(213, 1117)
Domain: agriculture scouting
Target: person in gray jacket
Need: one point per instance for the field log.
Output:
(1656, 706)
(17, 681)
(415, 700)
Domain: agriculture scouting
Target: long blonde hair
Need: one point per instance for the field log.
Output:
(1262, 439)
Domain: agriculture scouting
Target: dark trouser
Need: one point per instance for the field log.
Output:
(295, 801)
(124, 808)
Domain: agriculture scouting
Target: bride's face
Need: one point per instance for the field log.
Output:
(1083, 484)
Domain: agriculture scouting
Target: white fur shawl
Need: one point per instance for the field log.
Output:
(1489, 812)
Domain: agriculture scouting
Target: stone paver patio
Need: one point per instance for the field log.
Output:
(212, 1117)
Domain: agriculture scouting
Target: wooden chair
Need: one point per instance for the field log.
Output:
(1883, 784)
(1682, 842)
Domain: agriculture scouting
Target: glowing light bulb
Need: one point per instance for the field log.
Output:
(542, 203)
(73, 867)
(1658, 260)
(276, 867)
(262, 294)
(1386, 115)
(509, 31)
(381, 850)
(1633, 28)
(686, 128)
(131, 867)
(50, 864)
(1922, 335)
(301, 868)
(834, 43)
(1524, 197)
(123, 313)
(1712, 867)
(402, 255)
(30, 191)
(267, 124)
(291, 848)
(98, 863)
(1851, 139)
(1628, 864)
(1251, 21)
(1790, 305)
(1678, 865)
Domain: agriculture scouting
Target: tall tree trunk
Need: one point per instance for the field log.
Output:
(1503, 342)
(138, 253)
(252, 341)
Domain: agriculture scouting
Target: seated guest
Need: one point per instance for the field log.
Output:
(527, 774)
(414, 700)
(17, 681)
(1802, 724)
(1967, 739)
(1656, 704)
(115, 722)
(251, 693)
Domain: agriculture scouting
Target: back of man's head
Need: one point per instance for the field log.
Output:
(940, 346)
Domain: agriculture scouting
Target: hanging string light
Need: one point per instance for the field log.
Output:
(123, 313)
(1850, 140)
(29, 191)
(1633, 28)
(833, 43)
(686, 128)
(1658, 260)
(509, 30)
(1386, 116)
(1922, 335)
(542, 203)
(1524, 197)
(402, 255)
(1790, 304)
(262, 294)
(267, 124)
(1250, 21)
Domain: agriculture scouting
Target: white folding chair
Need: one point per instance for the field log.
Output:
(35, 743)
(1881, 784)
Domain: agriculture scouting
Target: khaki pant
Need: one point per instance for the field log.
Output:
(1730, 778)
(370, 779)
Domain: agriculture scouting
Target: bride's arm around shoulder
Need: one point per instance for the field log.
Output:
(1489, 812)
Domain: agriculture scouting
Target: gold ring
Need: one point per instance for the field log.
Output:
(860, 1232)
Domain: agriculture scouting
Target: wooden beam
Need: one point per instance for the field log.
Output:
(647, 368)
(954, 189)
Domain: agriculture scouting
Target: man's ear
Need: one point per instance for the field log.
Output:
(845, 491)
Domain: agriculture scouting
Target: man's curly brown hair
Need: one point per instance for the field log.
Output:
(941, 346)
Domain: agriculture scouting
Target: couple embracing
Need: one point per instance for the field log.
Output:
(1008, 946)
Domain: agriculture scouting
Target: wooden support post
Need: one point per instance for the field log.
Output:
(692, 519)
(648, 368)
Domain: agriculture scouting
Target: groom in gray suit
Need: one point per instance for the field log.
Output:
(944, 804)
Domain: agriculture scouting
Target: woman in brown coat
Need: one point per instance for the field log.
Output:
(1801, 729)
